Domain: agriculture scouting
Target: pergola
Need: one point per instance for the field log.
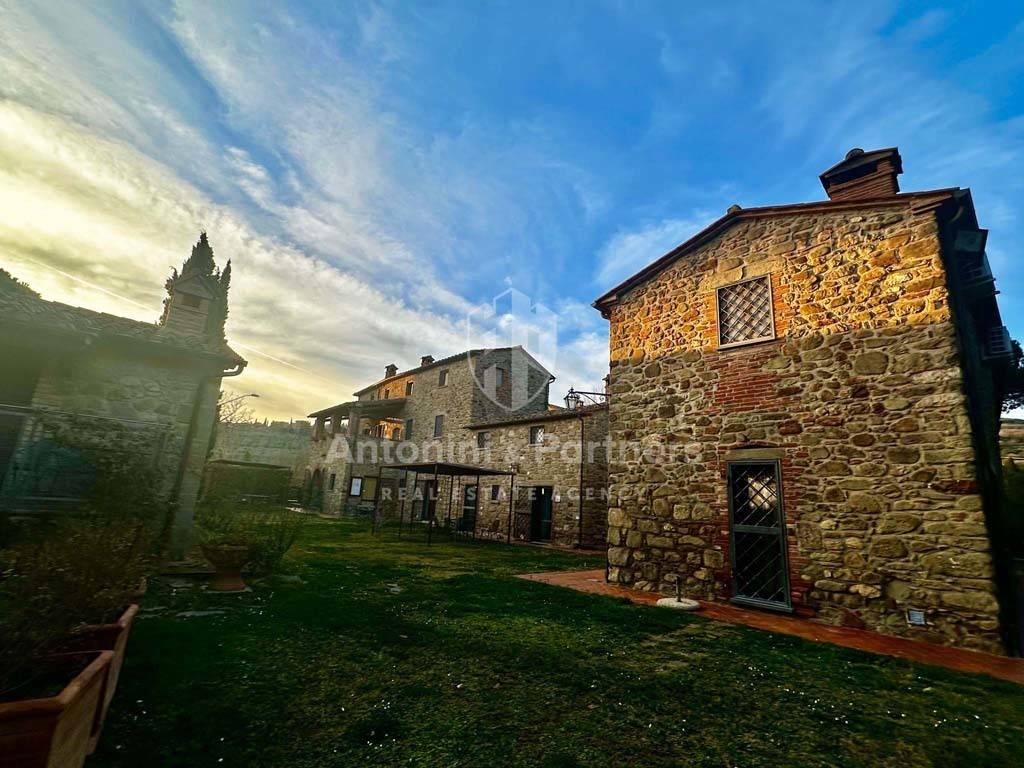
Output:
(443, 469)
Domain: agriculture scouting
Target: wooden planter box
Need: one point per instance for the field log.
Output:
(106, 637)
(54, 732)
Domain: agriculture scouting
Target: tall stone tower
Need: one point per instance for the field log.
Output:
(197, 297)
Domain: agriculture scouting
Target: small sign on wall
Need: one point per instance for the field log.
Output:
(558, 497)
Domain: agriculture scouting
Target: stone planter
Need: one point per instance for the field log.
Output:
(106, 637)
(54, 732)
(228, 560)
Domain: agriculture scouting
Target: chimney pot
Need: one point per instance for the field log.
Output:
(390, 370)
(426, 360)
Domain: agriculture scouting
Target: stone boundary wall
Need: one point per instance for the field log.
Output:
(280, 444)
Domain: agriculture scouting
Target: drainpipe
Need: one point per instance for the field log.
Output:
(178, 547)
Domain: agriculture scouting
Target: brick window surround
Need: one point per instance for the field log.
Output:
(744, 312)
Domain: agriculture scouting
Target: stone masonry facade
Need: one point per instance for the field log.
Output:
(859, 398)
(393, 422)
(78, 381)
(570, 458)
(351, 446)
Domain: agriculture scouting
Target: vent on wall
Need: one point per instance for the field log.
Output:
(915, 617)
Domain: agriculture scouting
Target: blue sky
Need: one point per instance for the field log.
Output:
(378, 170)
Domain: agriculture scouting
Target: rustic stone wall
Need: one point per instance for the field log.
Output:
(282, 444)
(150, 393)
(1011, 440)
(556, 462)
(152, 396)
(859, 398)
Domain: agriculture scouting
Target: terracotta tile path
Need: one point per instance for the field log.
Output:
(925, 653)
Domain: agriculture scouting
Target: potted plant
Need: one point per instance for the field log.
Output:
(67, 591)
(226, 538)
(276, 529)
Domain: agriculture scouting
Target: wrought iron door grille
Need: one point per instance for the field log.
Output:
(759, 567)
(745, 312)
(759, 570)
(755, 495)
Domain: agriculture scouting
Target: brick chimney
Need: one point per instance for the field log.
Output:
(390, 370)
(426, 360)
(863, 175)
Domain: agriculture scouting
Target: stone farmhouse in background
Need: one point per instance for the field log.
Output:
(78, 382)
(823, 382)
(480, 408)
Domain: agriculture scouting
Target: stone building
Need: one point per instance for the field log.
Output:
(816, 389)
(416, 415)
(76, 381)
(484, 409)
(561, 477)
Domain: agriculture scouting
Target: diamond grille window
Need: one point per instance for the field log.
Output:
(745, 312)
(758, 540)
(755, 496)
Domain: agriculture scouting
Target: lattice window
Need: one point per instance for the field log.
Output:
(745, 312)
(755, 495)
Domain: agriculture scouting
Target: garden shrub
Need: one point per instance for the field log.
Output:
(277, 530)
(81, 567)
(268, 530)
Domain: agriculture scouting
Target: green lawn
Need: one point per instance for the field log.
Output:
(388, 652)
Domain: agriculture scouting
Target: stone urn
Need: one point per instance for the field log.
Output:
(227, 560)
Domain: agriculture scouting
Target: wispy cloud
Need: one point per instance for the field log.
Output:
(628, 251)
(340, 230)
(377, 170)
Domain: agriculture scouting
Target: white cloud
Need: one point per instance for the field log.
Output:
(108, 170)
(628, 251)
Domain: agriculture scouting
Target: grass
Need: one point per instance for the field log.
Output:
(388, 652)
